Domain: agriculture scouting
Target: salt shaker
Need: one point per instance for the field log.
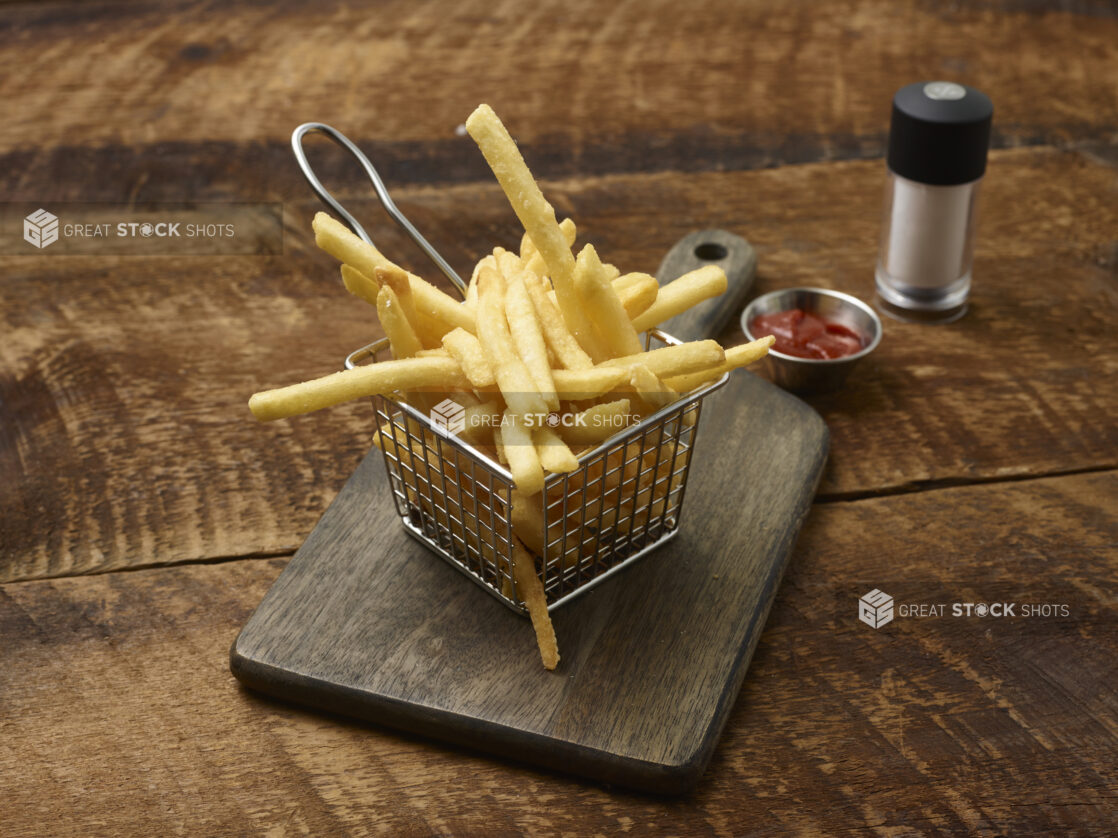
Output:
(938, 138)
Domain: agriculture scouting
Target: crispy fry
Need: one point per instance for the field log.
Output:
(577, 385)
(611, 324)
(680, 294)
(553, 452)
(360, 285)
(558, 337)
(637, 292)
(649, 388)
(499, 445)
(344, 386)
(336, 239)
(530, 589)
(466, 349)
(524, 462)
(527, 521)
(397, 279)
(537, 216)
(471, 288)
(566, 227)
(736, 356)
(527, 335)
(597, 423)
(401, 336)
(512, 375)
(674, 360)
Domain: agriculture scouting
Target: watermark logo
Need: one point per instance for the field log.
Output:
(40, 229)
(875, 609)
(141, 228)
(450, 416)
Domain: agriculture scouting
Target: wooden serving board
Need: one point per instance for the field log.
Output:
(366, 622)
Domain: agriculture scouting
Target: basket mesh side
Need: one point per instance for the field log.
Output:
(449, 498)
(621, 502)
(625, 499)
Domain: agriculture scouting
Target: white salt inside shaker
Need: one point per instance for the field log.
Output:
(938, 138)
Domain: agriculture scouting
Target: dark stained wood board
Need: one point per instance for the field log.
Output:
(365, 621)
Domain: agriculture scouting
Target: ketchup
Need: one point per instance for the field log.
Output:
(806, 335)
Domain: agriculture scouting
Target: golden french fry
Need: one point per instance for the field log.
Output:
(674, 360)
(576, 385)
(537, 216)
(499, 445)
(637, 292)
(559, 339)
(401, 336)
(566, 227)
(466, 350)
(597, 423)
(524, 462)
(649, 388)
(530, 589)
(397, 279)
(438, 352)
(374, 379)
(527, 336)
(360, 285)
(527, 521)
(337, 240)
(553, 452)
(471, 287)
(513, 377)
(680, 294)
(736, 356)
(426, 327)
(611, 324)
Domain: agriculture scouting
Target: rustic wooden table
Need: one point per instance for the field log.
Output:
(143, 514)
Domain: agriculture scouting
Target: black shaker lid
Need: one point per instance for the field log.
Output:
(940, 132)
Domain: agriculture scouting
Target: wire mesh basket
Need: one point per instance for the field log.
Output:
(624, 500)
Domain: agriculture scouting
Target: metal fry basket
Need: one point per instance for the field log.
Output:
(624, 500)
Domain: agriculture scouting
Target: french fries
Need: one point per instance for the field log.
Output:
(397, 328)
(680, 294)
(537, 216)
(373, 380)
(466, 350)
(537, 369)
(336, 239)
(612, 327)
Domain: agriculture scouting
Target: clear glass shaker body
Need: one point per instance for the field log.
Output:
(927, 244)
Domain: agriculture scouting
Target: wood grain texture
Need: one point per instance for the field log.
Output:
(117, 96)
(368, 622)
(119, 715)
(125, 379)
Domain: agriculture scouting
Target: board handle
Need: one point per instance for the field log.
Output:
(730, 252)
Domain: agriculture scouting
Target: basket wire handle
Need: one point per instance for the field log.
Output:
(378, 185)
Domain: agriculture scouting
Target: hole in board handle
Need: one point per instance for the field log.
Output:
(710, 251)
